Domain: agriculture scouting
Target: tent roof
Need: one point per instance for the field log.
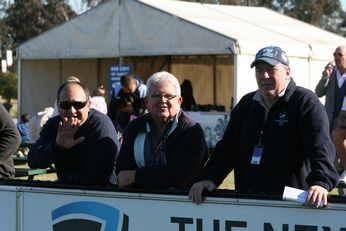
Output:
(162, 27)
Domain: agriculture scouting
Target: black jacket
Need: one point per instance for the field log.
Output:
(297, 149)
(90, 162)
(186, 152)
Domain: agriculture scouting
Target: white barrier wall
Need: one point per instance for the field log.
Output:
(44, 209)
(8, 203)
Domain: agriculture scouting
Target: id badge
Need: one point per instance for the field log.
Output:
(257, 154)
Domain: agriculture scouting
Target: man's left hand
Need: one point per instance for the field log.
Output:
(126, 178)
(317, 196)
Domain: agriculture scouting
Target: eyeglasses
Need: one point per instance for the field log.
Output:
(75, 104)
(338, 54)
(165, 96)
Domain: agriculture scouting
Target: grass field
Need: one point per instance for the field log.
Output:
(228, 182)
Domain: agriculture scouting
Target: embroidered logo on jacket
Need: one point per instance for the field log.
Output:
(282, 119)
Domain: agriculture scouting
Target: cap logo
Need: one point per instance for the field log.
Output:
(272, 55)
(267, 52)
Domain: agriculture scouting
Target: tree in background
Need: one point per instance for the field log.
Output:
(21, 21)
(8, 88)
(326, 14)
(28, 18)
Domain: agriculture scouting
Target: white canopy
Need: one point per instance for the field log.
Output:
(160, 27)
(133, 28)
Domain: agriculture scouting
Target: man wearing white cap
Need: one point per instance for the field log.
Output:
(278, 136)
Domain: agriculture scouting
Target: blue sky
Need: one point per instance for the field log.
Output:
(78, 6)
(343, 4)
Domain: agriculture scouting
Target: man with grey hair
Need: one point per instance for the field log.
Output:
(278, 136)
(163, 148)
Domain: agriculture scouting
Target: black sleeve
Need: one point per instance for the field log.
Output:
(45, 151)
(314, 129)
(222, 160)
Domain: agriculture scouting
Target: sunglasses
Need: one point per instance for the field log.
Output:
(338, 54)
(75, 104)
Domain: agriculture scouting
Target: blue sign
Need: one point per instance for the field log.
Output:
(88, 215)
(115, 73)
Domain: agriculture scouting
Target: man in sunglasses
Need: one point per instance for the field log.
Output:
(81, 142)
(332, 85)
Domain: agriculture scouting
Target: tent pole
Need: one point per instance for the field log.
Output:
(214, 81)
(19, 86)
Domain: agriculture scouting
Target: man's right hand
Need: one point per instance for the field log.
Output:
(66, 131)
(197, 189)
(328, 70)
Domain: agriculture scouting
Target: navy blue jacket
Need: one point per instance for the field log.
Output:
(297, 149)
(90, 162)
(186, 152)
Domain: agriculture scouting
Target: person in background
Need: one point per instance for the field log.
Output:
(23, 128)
(163, 148)
(127, 105)
(98, 101)
(9, 143)
(36, 123)
(130, 85)
(189, 103)
(339, 139)
(332, 85)
(277, 136)
(80, 142)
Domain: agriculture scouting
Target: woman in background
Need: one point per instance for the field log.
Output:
(189, 103)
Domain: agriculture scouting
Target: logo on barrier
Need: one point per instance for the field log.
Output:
(88, 215)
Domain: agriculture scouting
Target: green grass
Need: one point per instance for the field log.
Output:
(228, 183)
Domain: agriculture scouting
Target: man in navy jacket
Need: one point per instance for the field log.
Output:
(81, 142)
(277, 136)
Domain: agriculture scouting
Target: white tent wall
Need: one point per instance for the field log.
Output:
(39, 91)
(300, 71)
(38, 84)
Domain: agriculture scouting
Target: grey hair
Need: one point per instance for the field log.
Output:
(160, 78)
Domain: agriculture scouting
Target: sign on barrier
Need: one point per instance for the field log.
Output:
(61, 209)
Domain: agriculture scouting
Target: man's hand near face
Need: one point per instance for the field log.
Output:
(66, 131)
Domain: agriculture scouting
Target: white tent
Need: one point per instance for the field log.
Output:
(135, 28)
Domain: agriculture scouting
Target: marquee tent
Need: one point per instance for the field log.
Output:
(213, 45)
